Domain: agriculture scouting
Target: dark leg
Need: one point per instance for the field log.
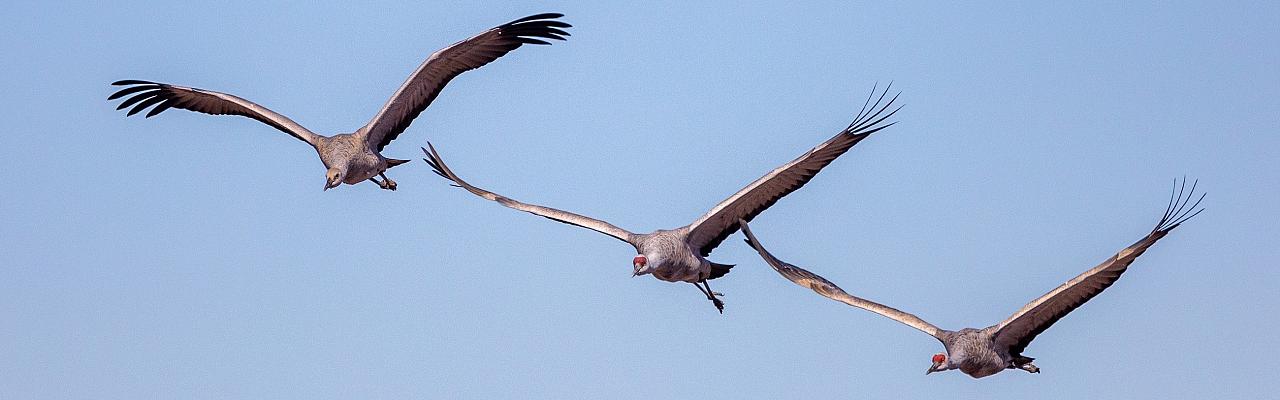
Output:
(707, 284)
(1029, 367)
(1024, 363)
(711, 295)
(387, 182)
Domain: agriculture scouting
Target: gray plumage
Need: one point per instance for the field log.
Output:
(679, 255)
(354, 157)
(987, 351)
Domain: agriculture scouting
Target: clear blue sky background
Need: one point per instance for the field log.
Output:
(195, 257)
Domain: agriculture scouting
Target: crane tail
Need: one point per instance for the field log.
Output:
(391, 162)
(719, 270)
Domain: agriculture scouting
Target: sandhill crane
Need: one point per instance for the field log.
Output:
(679, 255)
(983, 352)
(352, 158)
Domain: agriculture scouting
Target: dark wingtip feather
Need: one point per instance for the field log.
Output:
(143, 105)
(160, 108)
(1180, 208)
(137, 98)
(549, 24)
(433, 160)
(541, 33)
(536, 17)
(527, 40)
(540, 25)
(131, 82)
(133, 89)
(868, 117)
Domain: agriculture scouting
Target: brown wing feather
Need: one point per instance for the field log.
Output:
(824, 287)
(429, 79)
(1022, 327)
(712, 228)
(437, 164)
(146, 94)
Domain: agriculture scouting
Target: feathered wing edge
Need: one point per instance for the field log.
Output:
(165, 96)
(440, 168)
(827, 289)
(722, 220)
(429, 79)
(1023, 326)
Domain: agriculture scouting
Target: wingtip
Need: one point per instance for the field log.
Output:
(1181, 208)
(131, 82)
(540, 42)
(746, 231)
(868, 119)
(549, 15)
(536, 17)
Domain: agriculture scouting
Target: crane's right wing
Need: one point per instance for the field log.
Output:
(422, 87)
(433, 159)
(1018, 330)
(204, 101)
(829, 290)
(713, 227)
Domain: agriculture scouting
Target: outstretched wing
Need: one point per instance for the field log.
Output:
(712, 228)
(829, 290)
(1018, 330)
(165, 96)
(433, 159)
(429, 79)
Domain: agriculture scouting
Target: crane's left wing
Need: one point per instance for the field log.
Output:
(712, 228)
(824, 287)
(165, 96)
(1018, 330)
(437, 164)
(429, 79)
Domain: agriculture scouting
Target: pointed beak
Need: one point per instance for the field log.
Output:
(932, 369)
(638, 265)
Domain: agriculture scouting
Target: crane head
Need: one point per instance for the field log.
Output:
(938, 360)
(640, 263)
(333, 178)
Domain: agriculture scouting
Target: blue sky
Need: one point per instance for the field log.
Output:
(191, 256)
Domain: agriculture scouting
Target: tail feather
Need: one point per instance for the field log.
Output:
(391, 162)
(718, 270)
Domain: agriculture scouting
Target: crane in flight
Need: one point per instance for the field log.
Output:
(355, 157)
(987, 351)
(679, 255)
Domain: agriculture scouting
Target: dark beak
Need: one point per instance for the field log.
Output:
(932, 369)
